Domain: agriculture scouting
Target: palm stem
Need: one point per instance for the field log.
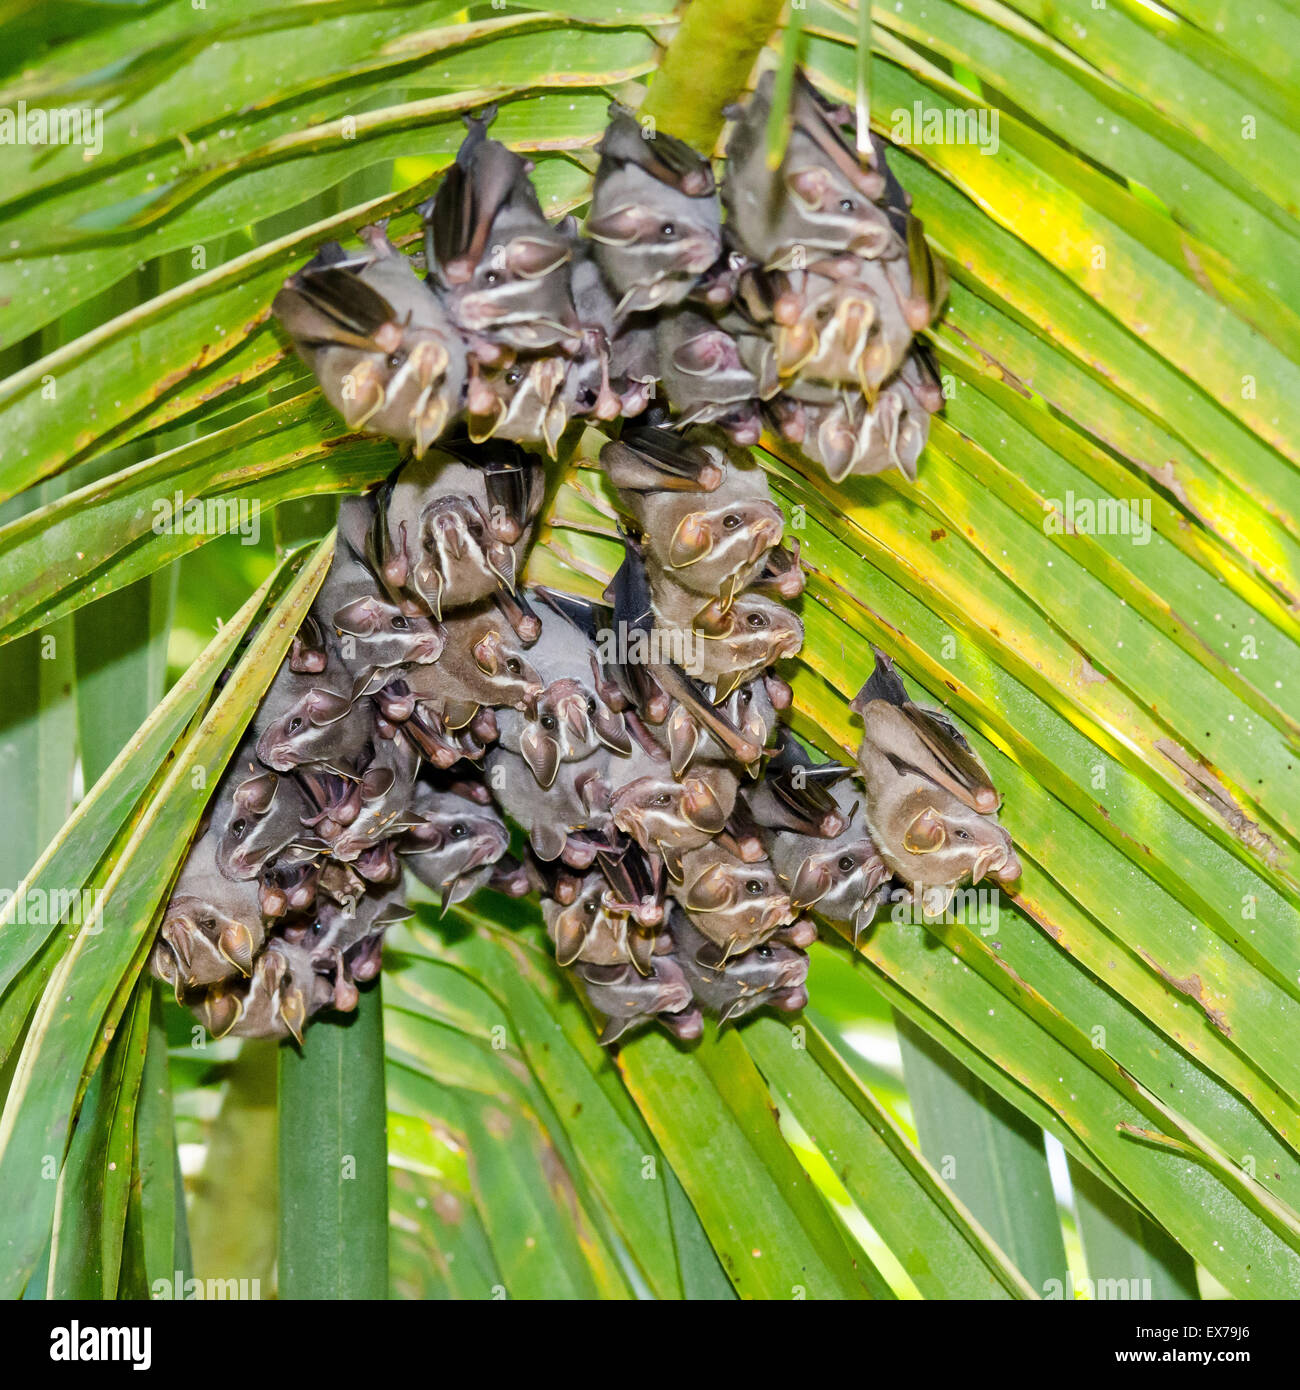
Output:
(706, 66)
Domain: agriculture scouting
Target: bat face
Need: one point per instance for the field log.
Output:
(567, 723)
(266, 815)
(655, 218)
(317, 724)
(768, 974)
(754, 632)
(485, 663)
(522, 401)
(500, 267)
(703, 376)
(652, 244)
(375, 633)
(719, 549)
(837, 880)
(212, 927)
(368, 629)
(930, 806)
(440, 536)
(670, 816)
(456, 839)
(386, 789)
(592, 930)
(735, 904)
(386, 355)
(628, 999)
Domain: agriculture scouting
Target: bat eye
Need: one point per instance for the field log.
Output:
(237, 829)
(491, 277)
(668, 230)
(512, 376)
(846, 204)
(731, 521)
(846, 863)
(547, 721)
(590, 906)
(663, 799)
(395, 359)
(763, 952)
(960, 834)
(754, 887)
(514, 666)
(458, 831)
(757, 620)
(295, 724)
(401, 623)
(591, 705)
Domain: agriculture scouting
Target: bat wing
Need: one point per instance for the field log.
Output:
(652, 459)
(948, 760)
(883, 684)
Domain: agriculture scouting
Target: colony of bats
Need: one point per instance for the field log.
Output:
(677, 832)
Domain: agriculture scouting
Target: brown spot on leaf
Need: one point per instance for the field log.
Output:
(1201, 781)
(938, 535)
(1193, 987)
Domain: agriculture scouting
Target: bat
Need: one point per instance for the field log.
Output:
(626, 999)
(441, 540)
(593, 930)
(386, 355)
(734, 904)
(655, 221)
(386, 787)
(306, 719)
(577, 800)
(820, 198)
(730, 645)
(367, 631)
(500, 268)
(569, 722)
(256, 815)
(842, 876)
(704, 378)
(931, 808)
(766, 975)
(667, 816)
(212, 926)
(715, 542)
(455, 844)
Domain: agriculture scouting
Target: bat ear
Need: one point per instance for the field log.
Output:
(611, 729)
(701, 806)
(926, 833)
(257, 794)
(533, 257)
(691, 541)
(325, 707)
(811, 883)
(618, 227)
(377, 782)
(712, 891)
(713, 620)
(360, 617)
(698, 356)
(569, 938)
(809, 187)
(683, 739)
(487, 654)
(542, 754)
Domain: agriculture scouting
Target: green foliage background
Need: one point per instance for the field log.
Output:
(1123, 324)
